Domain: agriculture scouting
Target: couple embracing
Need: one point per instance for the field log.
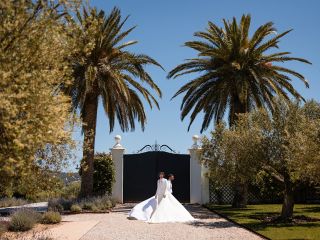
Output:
(163, 207)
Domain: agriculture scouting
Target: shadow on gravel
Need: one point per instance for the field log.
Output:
(122, 209)
(212, 225)
(199, 212)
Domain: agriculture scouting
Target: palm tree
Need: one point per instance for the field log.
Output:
(108, 72)
(236, 73)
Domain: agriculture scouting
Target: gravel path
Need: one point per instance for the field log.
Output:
(116, 226)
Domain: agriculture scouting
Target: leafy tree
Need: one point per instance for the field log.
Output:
(231, 155)
(35, 134)
(291, 141)
(104, 70)
(41, 185)
(236, 72)
(285, 146)
(71, 190)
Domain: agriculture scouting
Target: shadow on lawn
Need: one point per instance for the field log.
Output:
(261, 215)
(229, 208)
(238, 215)
(311, 209)
(257, 221)
(262, 226)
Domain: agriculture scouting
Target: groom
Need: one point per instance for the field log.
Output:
(161, 187)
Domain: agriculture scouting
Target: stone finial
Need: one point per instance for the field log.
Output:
(195, 139)
(117, 138)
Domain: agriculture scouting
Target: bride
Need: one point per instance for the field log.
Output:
(163, 207)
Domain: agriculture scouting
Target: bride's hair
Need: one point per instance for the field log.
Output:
(161, 173)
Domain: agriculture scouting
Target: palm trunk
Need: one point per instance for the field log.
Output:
(288, 201)
(89, 119)
(240, 199)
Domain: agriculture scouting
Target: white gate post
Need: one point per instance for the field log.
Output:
(117, 157)
(205, 194)
(199, 184)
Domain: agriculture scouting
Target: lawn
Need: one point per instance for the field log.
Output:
(252, 216)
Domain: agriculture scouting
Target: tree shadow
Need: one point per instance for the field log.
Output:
(122, 209)
(262, 226)
(212, 225)
(228, 208)
(204, 215)
(258, 219)
(310, 209)
(261, 215)
(200, 212)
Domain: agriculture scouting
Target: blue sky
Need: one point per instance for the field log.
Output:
(162, 28)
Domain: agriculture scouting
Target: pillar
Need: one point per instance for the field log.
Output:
(199, 183)
(117, 156)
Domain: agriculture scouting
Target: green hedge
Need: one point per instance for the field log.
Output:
(103, 175)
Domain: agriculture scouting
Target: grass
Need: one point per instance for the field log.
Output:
(252, 216)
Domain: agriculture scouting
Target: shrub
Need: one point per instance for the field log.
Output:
(103, 203)
(75, 208)
(71, 190)
(24, 220)
(3, 228)
(94, 208)
(103, 175)
(51, 218)
(97, 203)
(113, 202)
(87, 205)
(59, 204)
(66, 204)
(55, 205)
(9, 202)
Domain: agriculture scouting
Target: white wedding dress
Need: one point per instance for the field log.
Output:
(163, 207)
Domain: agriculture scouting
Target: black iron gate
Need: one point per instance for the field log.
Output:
(140, 174)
